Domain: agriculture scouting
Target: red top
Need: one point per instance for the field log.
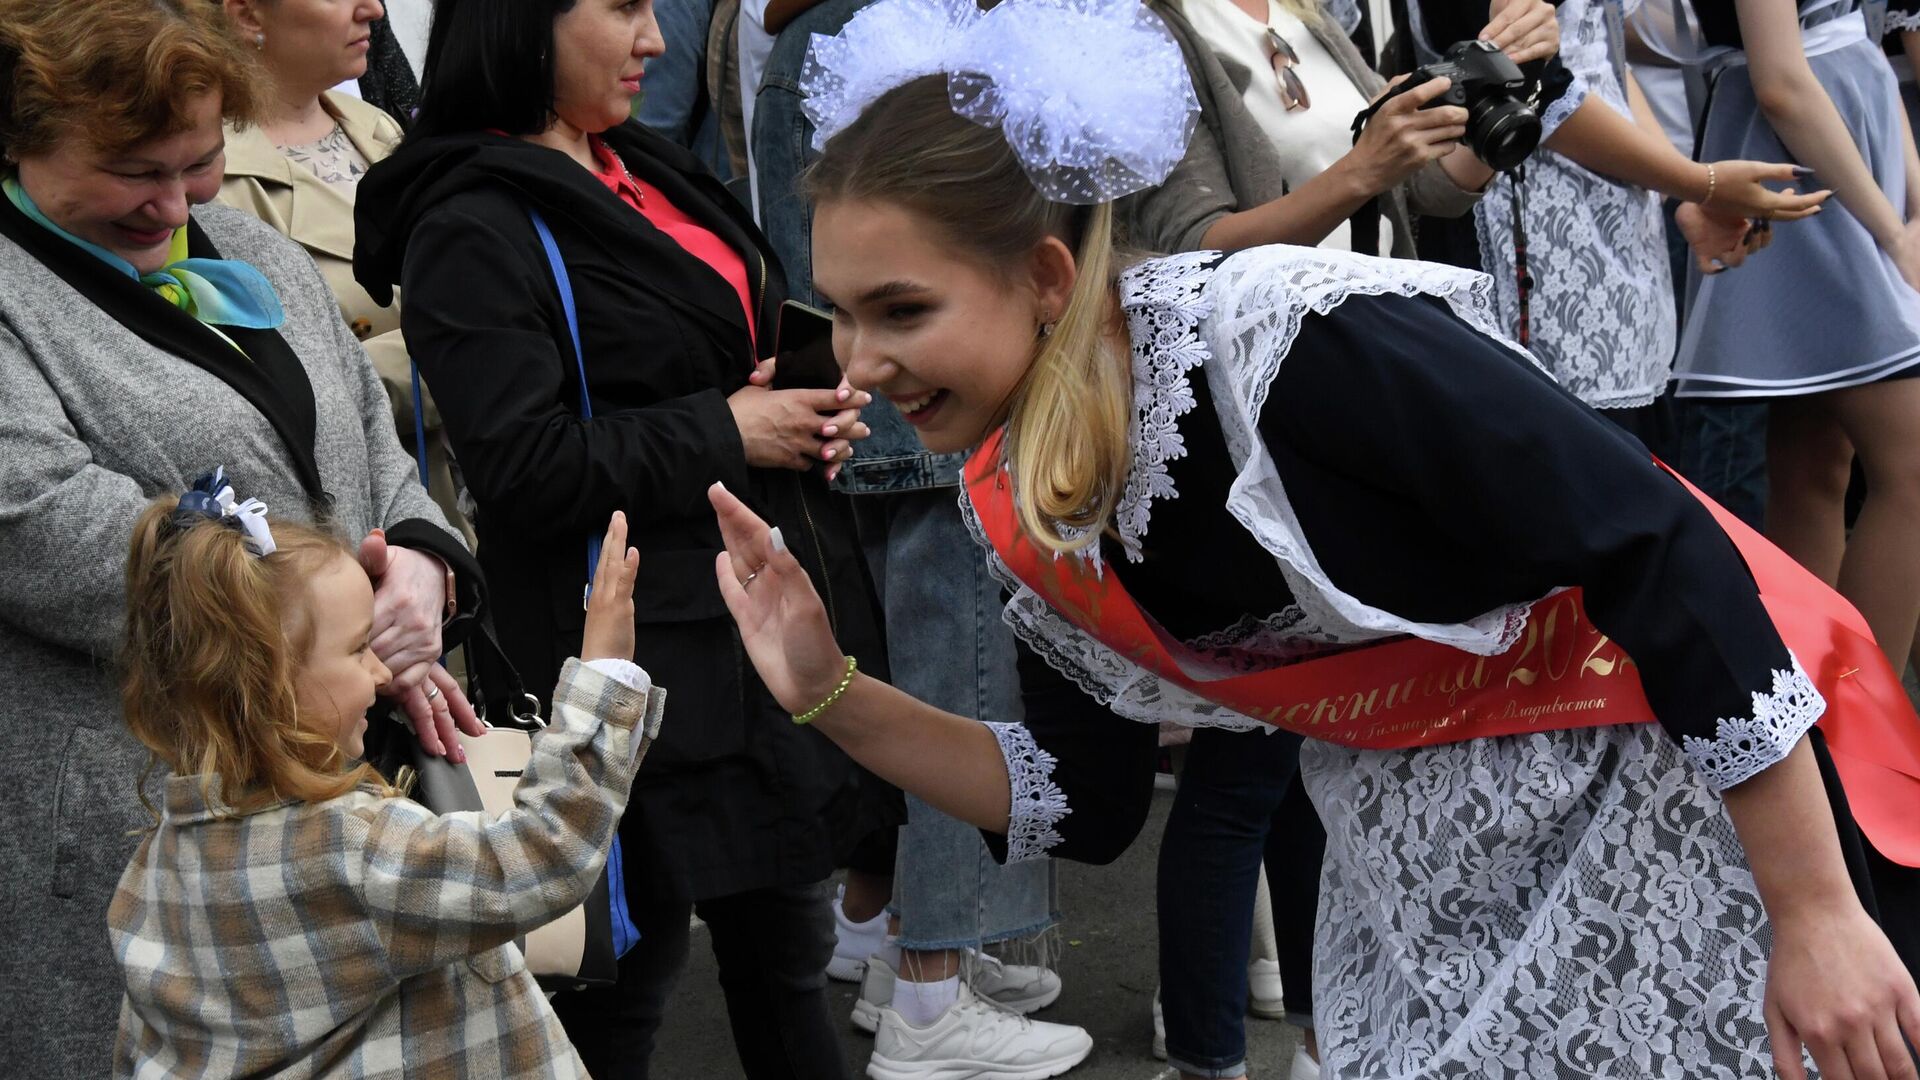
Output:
(697, 240)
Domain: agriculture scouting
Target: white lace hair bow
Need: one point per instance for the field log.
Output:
(1092, 95)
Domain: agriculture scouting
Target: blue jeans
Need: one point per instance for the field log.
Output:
(947, 646)
(1239, 803)
(890, 459)
(674, 102)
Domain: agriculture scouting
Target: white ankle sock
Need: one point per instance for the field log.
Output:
(920, 1004)
(859, 938)
(890, 952)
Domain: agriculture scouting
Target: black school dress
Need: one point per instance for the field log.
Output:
(1553, 904)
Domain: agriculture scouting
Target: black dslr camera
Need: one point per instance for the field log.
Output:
(1502, 128)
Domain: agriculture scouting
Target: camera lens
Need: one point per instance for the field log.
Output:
(1502, 133)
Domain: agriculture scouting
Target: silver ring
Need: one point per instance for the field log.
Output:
(749, 579)
(432, 692)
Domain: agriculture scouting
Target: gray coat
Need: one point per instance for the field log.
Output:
(94, 421)
(1232, 165)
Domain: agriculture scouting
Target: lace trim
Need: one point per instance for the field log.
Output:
(1272, 290)
(1563, 106)
(1164, 302)
(1132, 692)
(1744, 745)
(1627, 401)
(1038, 803)
(1902, 20)
(1255, 643)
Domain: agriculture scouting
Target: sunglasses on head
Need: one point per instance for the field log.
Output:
(1293, 92)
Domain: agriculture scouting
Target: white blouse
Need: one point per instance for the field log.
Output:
(1309, 139)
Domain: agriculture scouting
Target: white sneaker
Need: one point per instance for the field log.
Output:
(1023, 988)
(1263, 990)
(1304, 1067)
(853, 942)
(975, 1040)
(1159, 1028)
(876, 993)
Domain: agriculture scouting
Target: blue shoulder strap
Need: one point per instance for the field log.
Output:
(565, 285)
(625, 933)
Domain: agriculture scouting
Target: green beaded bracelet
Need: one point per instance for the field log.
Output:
(845, 681)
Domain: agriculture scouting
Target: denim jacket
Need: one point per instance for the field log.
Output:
(891, 459)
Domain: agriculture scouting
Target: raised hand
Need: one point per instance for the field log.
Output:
(609, 630)
(782, 622)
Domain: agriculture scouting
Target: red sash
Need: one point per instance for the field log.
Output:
(1564, 673)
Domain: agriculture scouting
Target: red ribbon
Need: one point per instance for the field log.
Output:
(1563, 673)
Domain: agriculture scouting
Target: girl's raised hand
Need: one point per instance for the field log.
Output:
(782, 622)
(609, 632)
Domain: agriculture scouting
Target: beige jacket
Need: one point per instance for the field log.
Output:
(264, 182)
(1232, 165)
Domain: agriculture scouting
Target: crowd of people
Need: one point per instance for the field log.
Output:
(367, 389)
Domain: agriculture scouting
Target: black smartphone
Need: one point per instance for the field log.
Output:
(804, 345)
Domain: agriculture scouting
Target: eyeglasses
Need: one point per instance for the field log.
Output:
(1293, 92)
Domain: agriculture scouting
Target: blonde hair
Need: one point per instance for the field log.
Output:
(214, 638)
(116, 73)
(1067, 422)
(1307, 11)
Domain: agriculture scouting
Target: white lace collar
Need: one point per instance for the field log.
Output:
(1164, 301)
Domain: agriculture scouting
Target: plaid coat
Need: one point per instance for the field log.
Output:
(364, 936)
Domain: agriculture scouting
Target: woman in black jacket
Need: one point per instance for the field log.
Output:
(736, 813)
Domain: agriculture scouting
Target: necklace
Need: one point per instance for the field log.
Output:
(626, 177)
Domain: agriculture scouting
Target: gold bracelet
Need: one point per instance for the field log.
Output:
(1711, 181)
(845, 681)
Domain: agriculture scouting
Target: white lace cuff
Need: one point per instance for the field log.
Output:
(1038, 803)
(1902, 20)
(1563, 106)
(1742, 746)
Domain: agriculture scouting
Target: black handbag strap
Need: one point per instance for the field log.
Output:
(490, 658)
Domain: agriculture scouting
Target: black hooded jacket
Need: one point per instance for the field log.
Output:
(733, 796)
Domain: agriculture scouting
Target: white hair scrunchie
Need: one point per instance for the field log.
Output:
(1092, 95)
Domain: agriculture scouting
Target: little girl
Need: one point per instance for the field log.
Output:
(293, 915)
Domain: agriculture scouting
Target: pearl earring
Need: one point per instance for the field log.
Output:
(260, 41)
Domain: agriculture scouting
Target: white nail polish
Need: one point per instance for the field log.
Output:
(779, 542)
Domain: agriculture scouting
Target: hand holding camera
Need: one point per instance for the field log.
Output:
(1526, 30)
(1500, 126)
(1403, 136)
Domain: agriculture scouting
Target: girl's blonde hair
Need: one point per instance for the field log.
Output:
(1067, 421)
(214, 638)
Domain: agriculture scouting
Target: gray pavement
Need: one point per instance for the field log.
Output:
(1108, 967)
